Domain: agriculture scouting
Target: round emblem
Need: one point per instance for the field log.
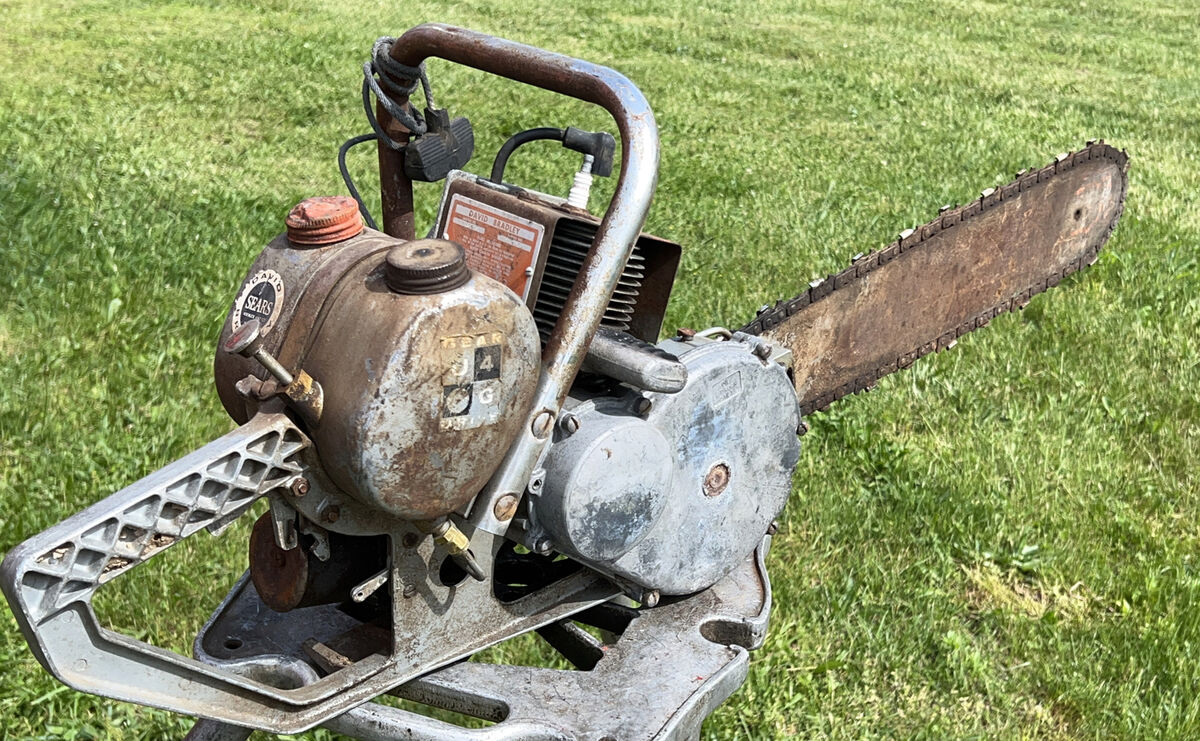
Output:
(261, 298)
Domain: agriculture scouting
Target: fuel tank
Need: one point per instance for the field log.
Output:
(427, 368)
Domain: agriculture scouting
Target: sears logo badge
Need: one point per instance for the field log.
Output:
(261, 298)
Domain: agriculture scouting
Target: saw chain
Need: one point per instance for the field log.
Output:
(941, 280)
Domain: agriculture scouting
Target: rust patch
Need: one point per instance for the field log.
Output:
(982, 260)
(717, 480)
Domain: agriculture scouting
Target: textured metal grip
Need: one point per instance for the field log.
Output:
(207, 489)
(49, 579)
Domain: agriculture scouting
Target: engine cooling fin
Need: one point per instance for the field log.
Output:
(570, 244)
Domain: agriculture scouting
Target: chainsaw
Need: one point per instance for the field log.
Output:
(479, 433)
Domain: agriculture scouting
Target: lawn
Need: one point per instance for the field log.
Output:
(999, 542)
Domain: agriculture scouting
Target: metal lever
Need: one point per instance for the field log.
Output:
(304, 393)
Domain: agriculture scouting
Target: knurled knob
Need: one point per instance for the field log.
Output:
(324, 220)
(426, 266)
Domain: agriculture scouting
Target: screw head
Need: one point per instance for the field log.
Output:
(505, 507)
(642, 406)
(331, 513)
(542, 424)
(569, 423)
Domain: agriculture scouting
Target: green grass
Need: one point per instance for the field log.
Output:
(1000, 542)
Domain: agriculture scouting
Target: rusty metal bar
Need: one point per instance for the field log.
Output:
(619, 228)
(395, 187)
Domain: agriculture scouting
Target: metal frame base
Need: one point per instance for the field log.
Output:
(660, 674)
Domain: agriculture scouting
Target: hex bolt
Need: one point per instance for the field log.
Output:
(299, 486)
(247, 342)
(505, 507)
(543, 546)
(542, 424)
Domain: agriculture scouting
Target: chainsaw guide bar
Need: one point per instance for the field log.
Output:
(948, 277)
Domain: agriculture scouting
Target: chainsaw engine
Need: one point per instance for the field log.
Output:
(478, 434)
(413, 373)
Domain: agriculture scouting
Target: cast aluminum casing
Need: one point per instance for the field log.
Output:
(626, 493)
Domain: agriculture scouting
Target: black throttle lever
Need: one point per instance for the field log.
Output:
(446, 145)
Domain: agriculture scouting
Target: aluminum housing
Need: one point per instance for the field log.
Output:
(675, 497)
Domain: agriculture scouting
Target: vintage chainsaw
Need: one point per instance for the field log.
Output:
(471, 436)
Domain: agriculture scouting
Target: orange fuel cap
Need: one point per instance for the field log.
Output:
(323, 220)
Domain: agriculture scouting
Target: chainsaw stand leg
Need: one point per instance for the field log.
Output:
(660, 674)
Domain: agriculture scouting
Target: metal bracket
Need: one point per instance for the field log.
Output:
(50, 580)
(658, 675)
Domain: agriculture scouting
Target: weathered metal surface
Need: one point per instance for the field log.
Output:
(948, 277)
(660, 675)
(668, 491)
(564, 351)
(398, 387)
(297, 279)
(605, 485)
(297, 577)
(433, 624)
(323, 220)
(639, 301)
(395, 186)
(426, 266)
(50, 579)
(635, 362)
(302, 392)
(423, 393)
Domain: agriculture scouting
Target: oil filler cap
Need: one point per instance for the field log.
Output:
(323, 220)
(426, 266)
